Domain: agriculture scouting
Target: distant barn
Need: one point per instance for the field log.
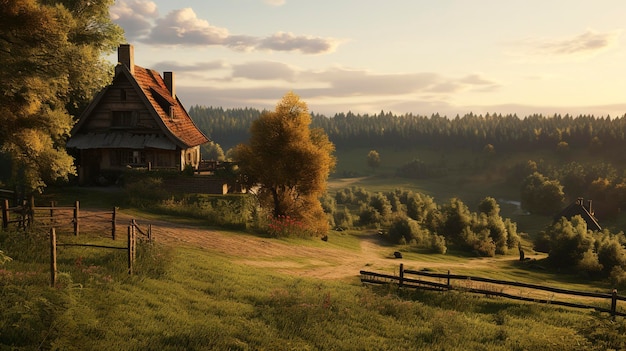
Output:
(582, 208)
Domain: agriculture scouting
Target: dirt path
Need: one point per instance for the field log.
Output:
(324, 261)
(319, 262)
(312, 261)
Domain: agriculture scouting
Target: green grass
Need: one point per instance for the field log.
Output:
(185, 298)
(203, 301)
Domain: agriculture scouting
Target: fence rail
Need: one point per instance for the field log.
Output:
(406, 279)
(131, 249)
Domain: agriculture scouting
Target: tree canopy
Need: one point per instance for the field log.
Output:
(373, 159)
(51, 54)
(289, 162)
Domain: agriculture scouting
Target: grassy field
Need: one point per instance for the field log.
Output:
(198, 297)
(186, 298)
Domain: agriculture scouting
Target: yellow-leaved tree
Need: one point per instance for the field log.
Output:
(51, 54)
(289, 163)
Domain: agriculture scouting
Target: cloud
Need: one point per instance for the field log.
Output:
(195, 67)
(282, 41)
(135, 16)
(264, 70)
(588, 44)
(344, 82)
(141, 22)
(184, 27)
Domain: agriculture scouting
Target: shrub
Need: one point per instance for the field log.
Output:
(618, 277)
(368, 216)
(404, 228)
(589, 264)
(611, 254)
(438, 244)
(569, 241)
(286, 226)
(344, 219)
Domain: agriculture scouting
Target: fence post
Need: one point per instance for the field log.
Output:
(113, 222)
(614, 302)
(130, 249)
(53, 257)
(448, 284)
(401, 275)
(31, 210)
(134, 250)
(5, 214)
(149, 232)
(52, 212)
(76, 204)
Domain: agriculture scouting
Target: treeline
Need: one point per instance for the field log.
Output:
(229, 127)
(225, 127)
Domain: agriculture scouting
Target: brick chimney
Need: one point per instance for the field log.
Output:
(170, 82)
(126, 57)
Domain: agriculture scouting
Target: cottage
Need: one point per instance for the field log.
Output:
(136, 121)
(583, 209)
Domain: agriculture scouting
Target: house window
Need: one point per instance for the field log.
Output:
(122, 119)
(128, 157)
(122, 94)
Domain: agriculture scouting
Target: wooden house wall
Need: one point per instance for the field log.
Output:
(101, 118)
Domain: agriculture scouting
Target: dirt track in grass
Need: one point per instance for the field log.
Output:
(324, 261)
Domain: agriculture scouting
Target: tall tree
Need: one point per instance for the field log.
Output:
(289, 162)
(50, 52)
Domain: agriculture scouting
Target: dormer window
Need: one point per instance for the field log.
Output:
(172, 112)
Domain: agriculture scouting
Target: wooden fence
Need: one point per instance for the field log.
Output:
(490, 287)
(70, 219)
(131, 249)
(11, 195)
(66, 218)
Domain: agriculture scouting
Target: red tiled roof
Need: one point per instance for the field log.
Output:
(181, 126)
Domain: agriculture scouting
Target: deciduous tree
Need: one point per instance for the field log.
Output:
(51, 58)
(289, 162)
(373, 159)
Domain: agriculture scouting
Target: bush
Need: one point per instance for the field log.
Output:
(611, 254)
(589, 264)
(438, 244)
(368, 216)
(618, 277)
(343, 219)
(285, 226)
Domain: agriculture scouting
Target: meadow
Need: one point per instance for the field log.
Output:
(222, 294)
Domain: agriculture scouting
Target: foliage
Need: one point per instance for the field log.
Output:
(145, 191)
(541, 195)
(44, 83)
(285, 226)
(289, 162)
(416, 219)
(373, 159)
(570, 244)
(569, 240)
(213, 151)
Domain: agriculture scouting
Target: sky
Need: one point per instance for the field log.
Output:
(402, 56)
